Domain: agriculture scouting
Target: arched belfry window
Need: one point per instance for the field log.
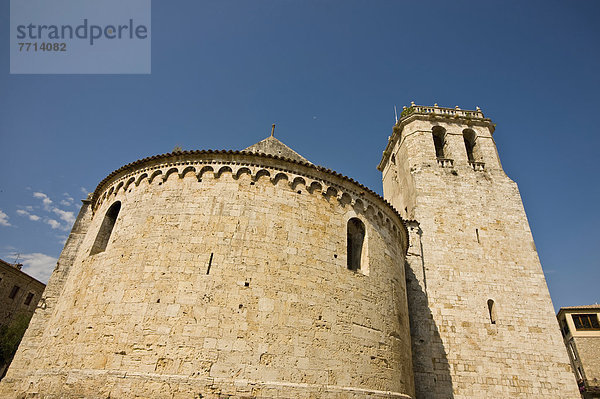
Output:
(439, 140)
(106, 228)
(470, 144)
(492, 311)
(356, 243)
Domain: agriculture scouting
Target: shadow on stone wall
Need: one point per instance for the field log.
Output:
(430, 362)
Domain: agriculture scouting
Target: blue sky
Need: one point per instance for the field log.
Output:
(329, 74)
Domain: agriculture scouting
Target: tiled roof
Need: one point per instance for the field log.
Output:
(15, 265)
(565, 309)
(273, 146)
(594, 306)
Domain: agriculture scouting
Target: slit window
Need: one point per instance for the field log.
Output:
(106, 228)
(492, 311)
(355, 245)
(209, 263)
(586, 321)
(28, 299)
(439, 141)
(14, 292)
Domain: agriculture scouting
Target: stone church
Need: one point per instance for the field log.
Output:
(255, 273)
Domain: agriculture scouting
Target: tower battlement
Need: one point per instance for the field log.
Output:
(435, 115)
(436, 110)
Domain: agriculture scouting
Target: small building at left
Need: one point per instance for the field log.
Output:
(19, 295)
(19, 292)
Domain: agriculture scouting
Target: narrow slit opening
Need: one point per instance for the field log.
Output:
(209, 263)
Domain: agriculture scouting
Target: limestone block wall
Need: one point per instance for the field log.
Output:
(472, 244)
(225, 275)
(47, 303)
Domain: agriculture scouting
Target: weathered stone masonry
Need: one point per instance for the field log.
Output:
(482, 321)
(220, 274)
(225, 274)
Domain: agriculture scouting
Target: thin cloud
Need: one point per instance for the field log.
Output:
(62, 238)
(65, 218)
(53, 223)
(31, 216)
(4, 219)
(68, 217)
(68, 200)
(45, 199)
(38, 265)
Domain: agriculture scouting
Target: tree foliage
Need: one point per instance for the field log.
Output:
(10, 337)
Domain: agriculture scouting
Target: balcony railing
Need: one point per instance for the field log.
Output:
(445, 162)
(436, 110)
(477, 165)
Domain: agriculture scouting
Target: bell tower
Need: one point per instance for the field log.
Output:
(482, 321)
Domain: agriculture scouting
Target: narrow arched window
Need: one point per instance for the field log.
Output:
(439, 140)
(492, 311)
(356, 240)
(469, 138)
(106, 228)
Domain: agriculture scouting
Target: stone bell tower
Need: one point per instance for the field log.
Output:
(482, 322)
